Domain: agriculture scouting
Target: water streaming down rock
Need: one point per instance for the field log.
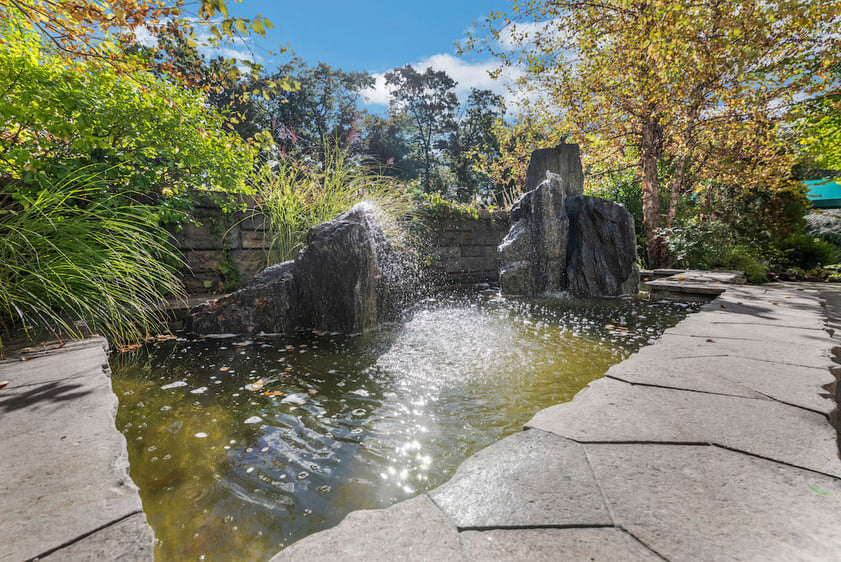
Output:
(348, 278)
(562, 240)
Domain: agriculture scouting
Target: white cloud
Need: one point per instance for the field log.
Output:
(516, 36)
(466, 75)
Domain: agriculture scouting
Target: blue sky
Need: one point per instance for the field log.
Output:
(377, 36)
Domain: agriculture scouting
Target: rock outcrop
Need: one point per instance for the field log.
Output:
(561, 240)
(563, 160)
(533, 253)
(602, 252)
(348, 278)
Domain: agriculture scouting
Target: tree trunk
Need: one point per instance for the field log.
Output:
(655, 245)
(676, 189)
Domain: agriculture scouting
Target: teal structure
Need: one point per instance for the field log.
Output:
(824, 194)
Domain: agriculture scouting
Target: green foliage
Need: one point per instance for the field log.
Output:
(436, 204)
(71, 259)
(711, 245)
(145, 135)
(297, 195)
(320, 112)
(473, 142)
(807, 252)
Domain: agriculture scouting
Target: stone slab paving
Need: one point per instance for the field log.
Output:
(706, 503)
(411, 530)
(63, 464)
(551, 545)
(615, 411)
(805, 387)
(503, 486)
(699, 450)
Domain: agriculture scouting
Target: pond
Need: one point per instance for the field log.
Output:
(241, 447)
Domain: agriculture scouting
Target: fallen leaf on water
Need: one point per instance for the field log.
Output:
(224, 368)
(722, 306)
(710, 340)
(775, 303)
(127, 348)
(318, 332)
(609, 326)
(258, 384)
(821, 492)
(312, 391)
(273, 393)
(290, 347)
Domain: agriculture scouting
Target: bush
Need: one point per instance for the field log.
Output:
(711, 245)
(71, 260)
(807, 252)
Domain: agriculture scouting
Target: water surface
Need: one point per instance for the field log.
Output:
(241, 447)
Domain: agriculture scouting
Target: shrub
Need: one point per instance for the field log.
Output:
(807, 252)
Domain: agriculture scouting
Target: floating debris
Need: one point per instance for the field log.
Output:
(175, 384)
(259, 384)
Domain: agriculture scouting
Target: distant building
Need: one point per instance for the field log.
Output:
(824, 194)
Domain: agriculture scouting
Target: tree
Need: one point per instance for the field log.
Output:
(144, 136)
(516, 139)
(817, 124)
(321, 111)
(474, 140)
(385, 141)
(428, 100)
(93, 30)
(696, 87)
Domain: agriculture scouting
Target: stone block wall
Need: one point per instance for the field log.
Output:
(224, 251)
(462, 250)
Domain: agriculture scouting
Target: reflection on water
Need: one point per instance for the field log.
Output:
(243, 446)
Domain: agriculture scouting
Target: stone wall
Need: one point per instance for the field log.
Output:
(462, 250)
(224, 251)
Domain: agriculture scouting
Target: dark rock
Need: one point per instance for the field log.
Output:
(533, 253)
(348, 278)
(561, 240)
(564, 160)
(267, 304)
(602, 252)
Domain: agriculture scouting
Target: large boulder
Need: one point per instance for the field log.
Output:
(267, 304)
(561, 240)
(533, 253)
(563, 160)
(348, 278)
(602, 251)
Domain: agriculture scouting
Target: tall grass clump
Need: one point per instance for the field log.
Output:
(298, 194)
(73, 259)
